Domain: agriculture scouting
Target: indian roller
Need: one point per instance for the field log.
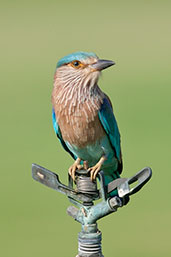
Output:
(83, 117)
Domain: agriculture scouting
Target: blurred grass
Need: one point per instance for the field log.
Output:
(34, 35)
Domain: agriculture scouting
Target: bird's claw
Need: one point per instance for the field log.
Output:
(94, 170)
(75, 166)
(85, 165)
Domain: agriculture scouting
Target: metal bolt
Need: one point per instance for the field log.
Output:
(115, 202)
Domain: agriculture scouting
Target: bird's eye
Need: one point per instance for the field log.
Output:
(76, 64)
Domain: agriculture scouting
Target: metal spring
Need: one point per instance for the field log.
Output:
(86, 185)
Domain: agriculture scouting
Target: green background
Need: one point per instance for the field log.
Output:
(33, 36)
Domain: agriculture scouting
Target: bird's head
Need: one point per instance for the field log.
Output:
(80, 68)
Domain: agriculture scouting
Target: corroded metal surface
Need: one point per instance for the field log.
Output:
(83, 197)
(51, 179)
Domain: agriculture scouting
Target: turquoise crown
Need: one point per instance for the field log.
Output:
(74, 56)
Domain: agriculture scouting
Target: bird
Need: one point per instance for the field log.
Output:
(83, 116)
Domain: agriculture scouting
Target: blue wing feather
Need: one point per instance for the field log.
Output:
(109, 123)
(59, 135)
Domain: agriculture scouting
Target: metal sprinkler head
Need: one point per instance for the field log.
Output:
(83, 196)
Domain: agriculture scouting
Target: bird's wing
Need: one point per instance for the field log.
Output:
(59, 135)
(110, 126)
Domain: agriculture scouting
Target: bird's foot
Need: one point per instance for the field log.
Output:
(85, 165)
(96, 168)
(75, 166)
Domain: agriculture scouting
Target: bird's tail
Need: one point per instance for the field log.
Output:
(109, 178)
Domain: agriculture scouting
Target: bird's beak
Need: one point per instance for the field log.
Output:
(102, 64)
